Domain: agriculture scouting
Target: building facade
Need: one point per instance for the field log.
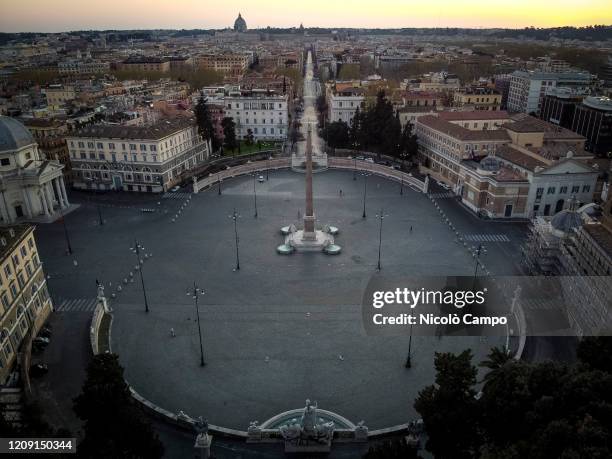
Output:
(25, 302)
(528, 88)
(136, 158)
(261, 113)
(31, 187)
(478, 98)
(344, 103)
(593, 119)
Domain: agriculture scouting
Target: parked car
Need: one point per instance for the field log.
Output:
(261, 179)
(369, 160)
(38, 369)
(361, 158)
(175, 189)
(41, 340)
(444, 185)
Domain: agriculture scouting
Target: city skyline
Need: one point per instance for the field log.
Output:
(66, 15)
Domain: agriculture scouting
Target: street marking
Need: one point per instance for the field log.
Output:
(176, 195)
(445, 195)
(486, 237)
(76, 305)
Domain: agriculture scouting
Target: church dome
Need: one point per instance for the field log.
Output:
(13, 134)
(240, 24)
(566, 220)
(489, 165)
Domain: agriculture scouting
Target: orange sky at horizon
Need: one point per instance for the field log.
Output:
(62, 15)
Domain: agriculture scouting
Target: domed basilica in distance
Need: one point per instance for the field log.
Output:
(240, 24)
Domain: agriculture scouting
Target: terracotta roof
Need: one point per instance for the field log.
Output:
(519, 158)
(551, 131)
(474, 115)
(462, 133)
(155, 131)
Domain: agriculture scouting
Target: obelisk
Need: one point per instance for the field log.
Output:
(309, 218)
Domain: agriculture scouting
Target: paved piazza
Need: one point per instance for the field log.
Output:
(283, 328)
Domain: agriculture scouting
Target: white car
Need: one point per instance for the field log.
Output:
(175, 189)
(261, 179)
(444, 185)
(369, 160)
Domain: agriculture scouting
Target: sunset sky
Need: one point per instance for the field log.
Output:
(61, 15)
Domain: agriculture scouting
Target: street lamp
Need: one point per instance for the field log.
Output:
(235, 217)
(477, 251)
(355, 168)
(268, 169)
(91, 180)
(381, 217)
(365, 192)
(196, 292)
(255, 192)
(409, 358)
(136, 250)
(219, 183)
(402, 156)
(68, 246)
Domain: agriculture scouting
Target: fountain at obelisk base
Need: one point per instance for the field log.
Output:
(309, 238)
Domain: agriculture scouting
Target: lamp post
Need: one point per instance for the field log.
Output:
(365, 192)
(268, 169)
(409, 358)
(139, 266)
(235, 217)
(381, 217)
(196, 292)
(219, 183)
(402, 156)
(477, 251)
(91, 180)
(68, 246)
(355, 168)
(255, 193)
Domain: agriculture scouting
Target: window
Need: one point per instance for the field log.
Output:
(586, 188)
(133, 147)
(101, 156)
(15, 259)
(551, 190)
(111, 146)
(14, 289)
(100, 146)
(90, 144)
(5, 300)
(143, 147)
(92, 155)
(5, 161)
(24, 251)
(539, 192)
(563, 190)
(83, 155)
(576, 189)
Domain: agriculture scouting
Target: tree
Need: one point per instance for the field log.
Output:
(206, 128)
(249, 137)
(596, 352)
(497, 358)
(409, 146)
(337, 134)
(114, 426)
(355, 132)
(392, 137)
(449, 407)
(229, 133)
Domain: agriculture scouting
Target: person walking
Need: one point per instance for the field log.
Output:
(410, 229)
(340, 192)
(172, 333)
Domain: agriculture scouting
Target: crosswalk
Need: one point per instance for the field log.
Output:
(486, 238)
(445, 195)
(176, 195)
(76, 305)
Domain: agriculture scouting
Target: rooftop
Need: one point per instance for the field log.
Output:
(13, 134)
(474, 115)
(13, 235)
(460, 132)
(519, 158)
(155, 131)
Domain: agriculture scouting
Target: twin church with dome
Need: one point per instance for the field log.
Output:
(31, 187)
